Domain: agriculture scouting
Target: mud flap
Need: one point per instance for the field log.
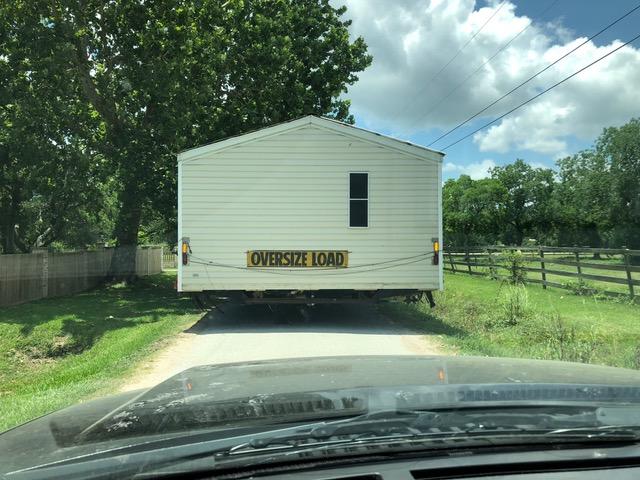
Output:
(430, 299)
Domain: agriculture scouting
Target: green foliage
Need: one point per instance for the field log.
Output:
(470, 314)
(620, 149)
(582, 200)
(581, 287)
(514, 261)
(528, 204)
(54, 352)
(513, 305)
(568, 343)
(120, 87)
(593, 199)
(473, 210)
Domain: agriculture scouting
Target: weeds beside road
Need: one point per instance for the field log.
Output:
(480, 316)
(57, 351)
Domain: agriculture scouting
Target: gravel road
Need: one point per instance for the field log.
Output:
(256, 333)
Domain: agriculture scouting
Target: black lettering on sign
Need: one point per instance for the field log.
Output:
(298, 258)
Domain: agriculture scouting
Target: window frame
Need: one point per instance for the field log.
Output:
(368, 199)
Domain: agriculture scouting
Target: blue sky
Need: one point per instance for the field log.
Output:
(411, 41)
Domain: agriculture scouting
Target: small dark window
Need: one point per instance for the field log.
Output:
(358, 199)
(359, 186)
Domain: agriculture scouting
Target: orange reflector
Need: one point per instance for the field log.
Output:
(185, 247)
(441, 375)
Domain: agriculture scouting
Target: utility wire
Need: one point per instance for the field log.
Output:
(437, 74)
(498, 52)
(534, 76)
(543, 92)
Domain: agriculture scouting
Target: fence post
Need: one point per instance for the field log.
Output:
(453, 265)
(577, 254)
(45, 274)
(544, 274)
(627, 264)
(492, 270)
(468, 260)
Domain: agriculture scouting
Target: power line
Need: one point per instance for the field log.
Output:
(534, 76)
(498, 52)
(543, 92)
(437, 74)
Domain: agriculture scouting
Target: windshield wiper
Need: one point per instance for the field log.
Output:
(439, 429)
(384, 432)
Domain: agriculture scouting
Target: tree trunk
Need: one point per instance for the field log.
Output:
(519, 234)
(9, 215)
(123, 262)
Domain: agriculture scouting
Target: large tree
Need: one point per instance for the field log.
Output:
(163, 75)
(51, 187)
(582, 200)
(473, 210)
(528, 208)
(619, 149)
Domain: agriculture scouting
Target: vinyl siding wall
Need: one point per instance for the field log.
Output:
(291, 192)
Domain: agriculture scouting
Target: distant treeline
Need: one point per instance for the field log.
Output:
(591, 199)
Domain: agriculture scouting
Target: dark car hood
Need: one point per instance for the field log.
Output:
(262, 392)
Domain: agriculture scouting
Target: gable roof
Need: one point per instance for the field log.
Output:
(321, 122)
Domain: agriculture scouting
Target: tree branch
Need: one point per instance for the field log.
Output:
(106, 110)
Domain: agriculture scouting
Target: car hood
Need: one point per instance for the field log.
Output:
(261, 393)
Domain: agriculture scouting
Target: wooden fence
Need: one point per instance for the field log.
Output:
(169, 260)
(27, 277)
(609, 271)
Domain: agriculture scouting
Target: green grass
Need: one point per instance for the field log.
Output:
(58, 351)
(475, 316)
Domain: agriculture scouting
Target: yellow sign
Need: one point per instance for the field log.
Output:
(298, 258)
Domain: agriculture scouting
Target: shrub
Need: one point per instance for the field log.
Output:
(567, 342)
(513, 305)
(514, 263)
(581, 288)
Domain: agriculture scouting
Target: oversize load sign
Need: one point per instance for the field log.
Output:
(298, 258)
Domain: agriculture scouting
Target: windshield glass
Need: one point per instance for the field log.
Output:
(264, 227)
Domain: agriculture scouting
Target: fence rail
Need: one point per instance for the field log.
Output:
(28, 277)
(610, 271)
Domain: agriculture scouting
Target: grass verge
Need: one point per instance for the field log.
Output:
(58, 351)
(479, 316)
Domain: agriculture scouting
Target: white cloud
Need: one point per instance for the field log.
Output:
(411, 40)
(474, 170)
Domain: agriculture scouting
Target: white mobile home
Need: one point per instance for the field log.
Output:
(310, 208)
